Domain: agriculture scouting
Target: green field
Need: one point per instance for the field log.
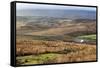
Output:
(88, 37)
(37, 59)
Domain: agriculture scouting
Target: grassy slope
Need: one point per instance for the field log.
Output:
(44, 52)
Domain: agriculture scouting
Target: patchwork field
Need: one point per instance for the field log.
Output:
(42, 40)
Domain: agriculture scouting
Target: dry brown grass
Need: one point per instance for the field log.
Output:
(70, 51)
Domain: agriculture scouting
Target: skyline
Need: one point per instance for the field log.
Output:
(23, 6)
